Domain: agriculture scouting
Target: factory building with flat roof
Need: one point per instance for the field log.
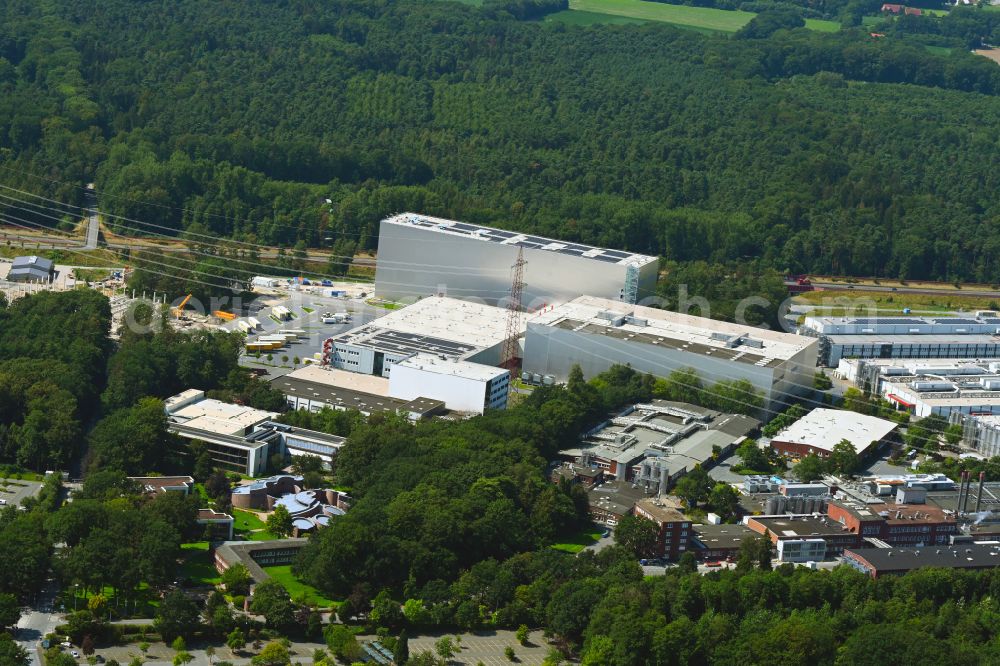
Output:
(313, 387)
(821, 429)
(878, 562)
(655, 444)
(462, 386)
(448, 327)
(422, 256)
(597, 333)
(904, 337)
(932, 386)
(420, 385)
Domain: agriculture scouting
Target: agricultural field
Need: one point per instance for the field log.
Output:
(705, 19)
(575, 17)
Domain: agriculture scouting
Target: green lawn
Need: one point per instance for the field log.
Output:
(198, 565)
(580, 540)
(820, 25)
(245, 521)
(262, 535)
(297, 589)
(937, 50)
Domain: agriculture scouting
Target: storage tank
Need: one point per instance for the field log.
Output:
(773, 505)
(537, 378)
(548, 380)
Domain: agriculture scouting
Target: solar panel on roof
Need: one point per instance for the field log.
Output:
(462, 226)
(884, 320)
(502, 234)
(530, 246)
(608, 258)
(618, 253)
(538, 240)
(568, 250)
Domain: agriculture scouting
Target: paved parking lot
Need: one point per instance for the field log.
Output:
(316, 331)
(485, 646)
(488, 647)
(14, 491)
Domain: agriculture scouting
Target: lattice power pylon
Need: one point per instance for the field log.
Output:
(508, 355)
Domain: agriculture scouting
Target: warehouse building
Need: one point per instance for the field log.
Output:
(426, 256)
(886, 561)
(460, 330)
(422, 386)
(597, 333)
(934, 386)
(904, 337)
(821, 429)
(241, 438)
(462, 386)
(31, 269)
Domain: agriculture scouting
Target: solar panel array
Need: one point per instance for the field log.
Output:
(526, 241)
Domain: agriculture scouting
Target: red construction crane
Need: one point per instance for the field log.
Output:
(508, 353)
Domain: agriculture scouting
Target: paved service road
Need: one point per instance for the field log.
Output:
(40, 619)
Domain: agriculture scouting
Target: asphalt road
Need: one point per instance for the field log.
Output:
(38, 621)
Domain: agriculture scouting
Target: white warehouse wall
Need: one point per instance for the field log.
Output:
(415, 262)
(554, 351)
(458, 393)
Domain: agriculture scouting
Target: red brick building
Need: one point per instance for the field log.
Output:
(675, 529)
(896, 524)
(787, 528)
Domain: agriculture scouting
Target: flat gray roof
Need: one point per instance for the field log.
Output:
(518, 239)
(962, 556)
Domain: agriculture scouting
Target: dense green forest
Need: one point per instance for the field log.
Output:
(833, 153)
(68, 393)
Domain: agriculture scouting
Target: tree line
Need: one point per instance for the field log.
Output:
(670, 142)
